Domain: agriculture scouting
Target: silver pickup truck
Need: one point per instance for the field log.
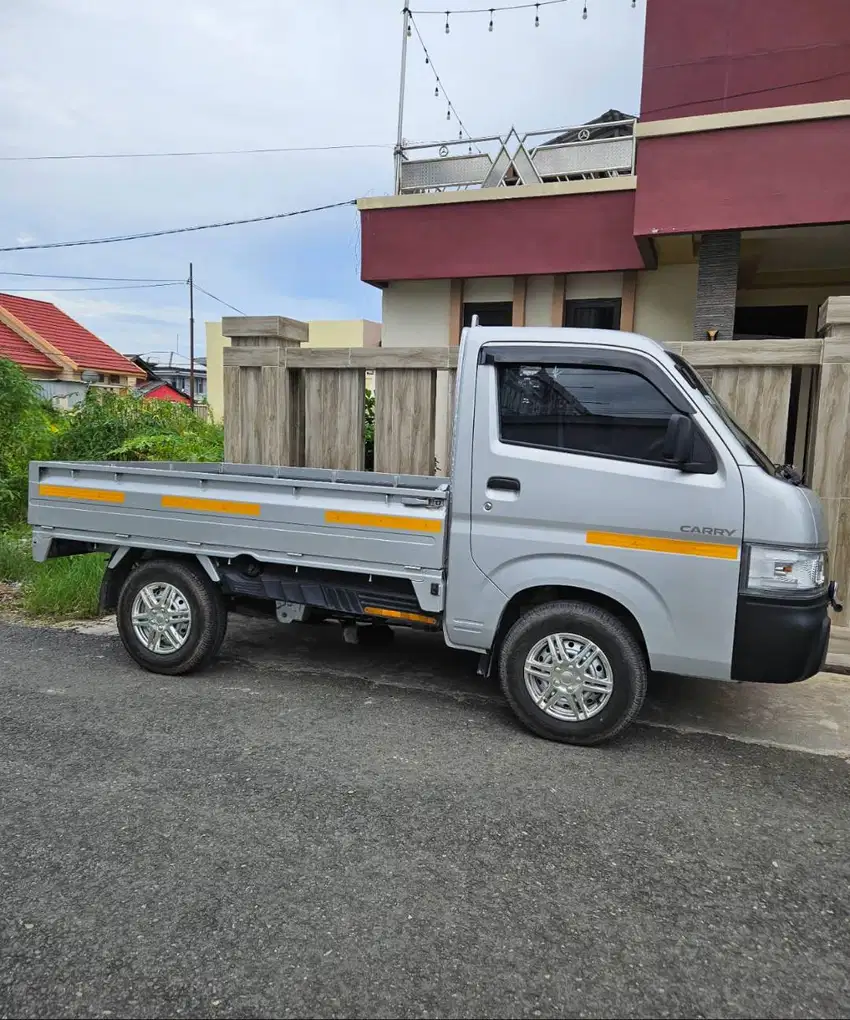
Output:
(605, 517)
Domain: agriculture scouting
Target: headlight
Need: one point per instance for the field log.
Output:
(785, 570)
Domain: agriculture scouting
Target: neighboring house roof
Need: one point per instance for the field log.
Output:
(158, 390)
(15, 348)
(58, 330)
(597, 128)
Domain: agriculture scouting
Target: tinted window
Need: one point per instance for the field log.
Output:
(600, 313)
(601, 411)
(490, 313)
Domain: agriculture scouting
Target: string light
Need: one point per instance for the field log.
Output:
(439, 88)
(520, 6)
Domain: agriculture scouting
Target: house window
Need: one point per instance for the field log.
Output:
(597, 411)
(598, 313)
(114, 380)
(490, 313)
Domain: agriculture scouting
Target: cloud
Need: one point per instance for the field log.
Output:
(212, 74)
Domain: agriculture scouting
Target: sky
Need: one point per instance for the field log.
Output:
(119, 76)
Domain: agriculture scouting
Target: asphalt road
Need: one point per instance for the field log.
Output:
(311, 830)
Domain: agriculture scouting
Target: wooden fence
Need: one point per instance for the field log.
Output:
(304, 407)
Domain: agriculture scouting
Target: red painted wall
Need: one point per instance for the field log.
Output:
(516, 236)
(709, 56)
(775, 175)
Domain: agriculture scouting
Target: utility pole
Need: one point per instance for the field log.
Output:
(191, 339)
(405, 31)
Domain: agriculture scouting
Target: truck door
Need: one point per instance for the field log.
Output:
(570, 487)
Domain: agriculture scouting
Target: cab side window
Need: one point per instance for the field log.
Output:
(583, 409)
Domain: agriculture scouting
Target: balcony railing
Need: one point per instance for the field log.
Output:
(585, 152)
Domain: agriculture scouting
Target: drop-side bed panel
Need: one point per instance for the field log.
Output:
(351, 520)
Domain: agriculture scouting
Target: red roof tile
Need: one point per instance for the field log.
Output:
(68, 336)
(13, 348)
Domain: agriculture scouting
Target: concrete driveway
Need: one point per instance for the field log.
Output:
(315, 830)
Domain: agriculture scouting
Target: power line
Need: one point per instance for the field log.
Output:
(750, 92)
(103, 279)
(59, 290)
(180, 230)
(199, 152)
(225, 303)
(440, 85)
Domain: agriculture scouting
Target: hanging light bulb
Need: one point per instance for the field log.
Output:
(436, 91)
(634, 4)
(427, 59)
(584, 12)
(460, 133)
(449, 114)
(490, 29)
(410, 30)
(447, 22)
(537, 15)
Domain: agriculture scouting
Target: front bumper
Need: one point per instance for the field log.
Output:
(780, 641)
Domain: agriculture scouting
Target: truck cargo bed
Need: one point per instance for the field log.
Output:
(359, 521)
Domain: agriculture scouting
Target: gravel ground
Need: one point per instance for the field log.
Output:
(314, 830)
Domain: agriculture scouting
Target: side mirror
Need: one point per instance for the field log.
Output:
(679, 440)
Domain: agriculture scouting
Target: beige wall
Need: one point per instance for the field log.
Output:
(494, 288)
(539, 293)
(415, 313)
(665, 300)
(323, 333)
(583, 286)
(216, 342)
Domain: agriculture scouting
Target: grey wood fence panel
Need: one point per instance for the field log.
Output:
(333, 418)
(759, 400)
(404, 412)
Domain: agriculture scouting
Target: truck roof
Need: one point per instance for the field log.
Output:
(475, 336)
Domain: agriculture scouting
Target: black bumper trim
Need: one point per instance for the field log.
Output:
(780, 641)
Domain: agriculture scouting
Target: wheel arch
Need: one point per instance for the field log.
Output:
(539, 595)
(125, 559)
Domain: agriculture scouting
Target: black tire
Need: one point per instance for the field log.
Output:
(616, 642)
(208, 616)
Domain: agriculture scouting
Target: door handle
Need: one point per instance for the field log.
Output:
(503, 484)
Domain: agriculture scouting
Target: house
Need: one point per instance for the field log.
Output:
(60, 355)
(721, 212)
(321, 332)
(173, 369)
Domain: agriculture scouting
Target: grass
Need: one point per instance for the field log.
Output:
(16, 563)
(65, 587)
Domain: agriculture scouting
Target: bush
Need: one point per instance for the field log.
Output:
(109, 426)
(26, 433)
(105, 426)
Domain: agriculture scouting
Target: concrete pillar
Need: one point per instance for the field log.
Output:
(717, 285)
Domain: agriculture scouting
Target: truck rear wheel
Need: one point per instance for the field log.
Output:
(573, 672)
(171, 617)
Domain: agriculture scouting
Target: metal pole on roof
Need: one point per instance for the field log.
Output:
(191, 338)
(405, 32)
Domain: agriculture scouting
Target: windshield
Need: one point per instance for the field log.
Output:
(695, 380)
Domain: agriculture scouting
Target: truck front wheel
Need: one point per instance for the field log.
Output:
(573, 672)
(171, 617)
